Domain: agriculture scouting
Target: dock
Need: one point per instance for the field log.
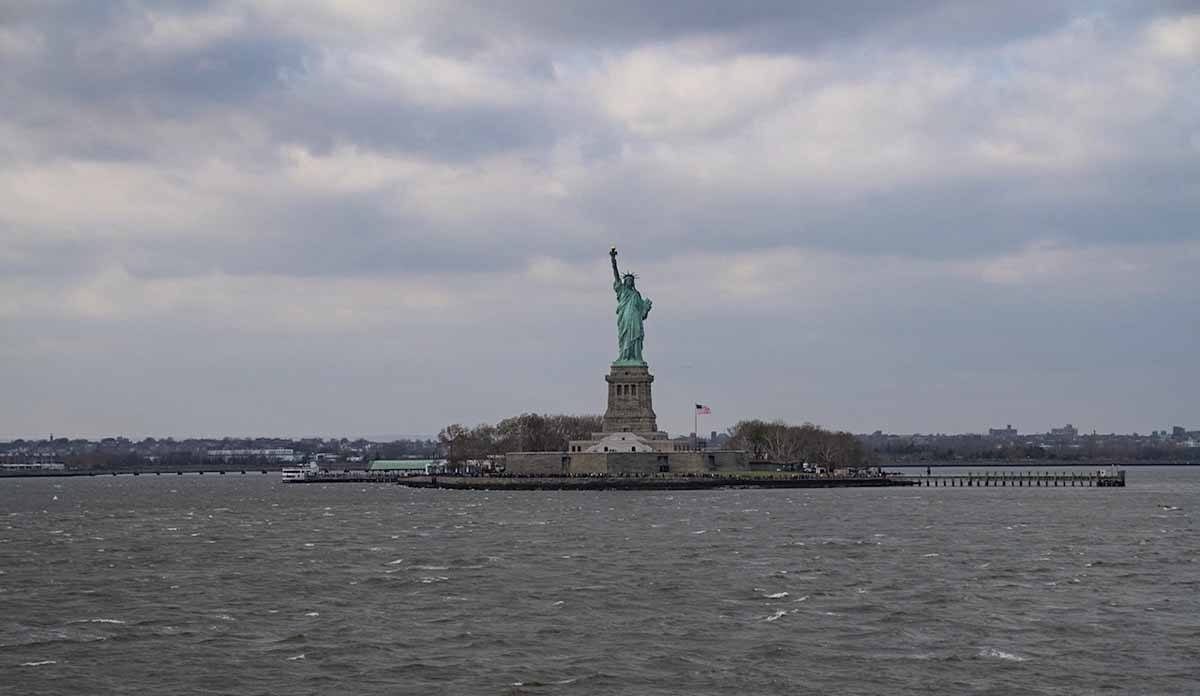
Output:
(1020, 479)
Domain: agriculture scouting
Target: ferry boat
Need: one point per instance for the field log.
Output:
(298, 473)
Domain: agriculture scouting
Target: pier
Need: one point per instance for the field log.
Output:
(351, 476)
(1021, 479)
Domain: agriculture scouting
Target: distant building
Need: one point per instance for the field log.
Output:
(683, 443)
(1068, 431)
(1007, 431)
(273, 454)
(31, 466)
(717, 440)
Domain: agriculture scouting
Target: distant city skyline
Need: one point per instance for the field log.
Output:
(322, 217)
(1173, 430)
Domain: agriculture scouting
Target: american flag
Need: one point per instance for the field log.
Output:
(703, 410)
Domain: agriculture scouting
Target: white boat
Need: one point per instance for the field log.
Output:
(298, 473)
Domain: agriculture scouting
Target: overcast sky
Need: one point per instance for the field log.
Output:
(309, 217)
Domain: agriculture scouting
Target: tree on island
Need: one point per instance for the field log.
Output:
(781, 443)
(528, 432)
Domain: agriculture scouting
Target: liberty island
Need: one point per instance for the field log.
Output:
(630, 451)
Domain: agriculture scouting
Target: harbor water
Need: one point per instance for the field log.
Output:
(244, 585)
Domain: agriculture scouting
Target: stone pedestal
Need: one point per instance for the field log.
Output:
(630, 407)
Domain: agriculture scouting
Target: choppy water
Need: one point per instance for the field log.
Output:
(240, 584)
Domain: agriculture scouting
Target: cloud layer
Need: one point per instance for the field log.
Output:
(354, 217)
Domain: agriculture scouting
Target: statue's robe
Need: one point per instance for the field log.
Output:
(631, 310)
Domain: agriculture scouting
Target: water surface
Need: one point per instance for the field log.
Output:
(240, 584)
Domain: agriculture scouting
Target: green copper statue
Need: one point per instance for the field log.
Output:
(631, 311)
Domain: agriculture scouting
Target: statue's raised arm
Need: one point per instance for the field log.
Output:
(612, 254)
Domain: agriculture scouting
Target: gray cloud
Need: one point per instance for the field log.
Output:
(780, 25)
(878, 199)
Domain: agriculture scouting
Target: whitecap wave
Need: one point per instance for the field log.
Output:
(1000, 655)
(39, 663)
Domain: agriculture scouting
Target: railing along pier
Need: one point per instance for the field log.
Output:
(1022, 479)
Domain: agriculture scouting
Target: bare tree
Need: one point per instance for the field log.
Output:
(451, 436)
(788, 444)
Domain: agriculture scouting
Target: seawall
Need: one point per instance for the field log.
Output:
(641, 483)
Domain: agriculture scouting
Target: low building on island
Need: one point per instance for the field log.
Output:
(410, 467)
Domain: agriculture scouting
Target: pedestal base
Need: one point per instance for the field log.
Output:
(630, 405)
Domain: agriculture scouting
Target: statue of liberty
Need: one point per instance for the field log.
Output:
(632, 310)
